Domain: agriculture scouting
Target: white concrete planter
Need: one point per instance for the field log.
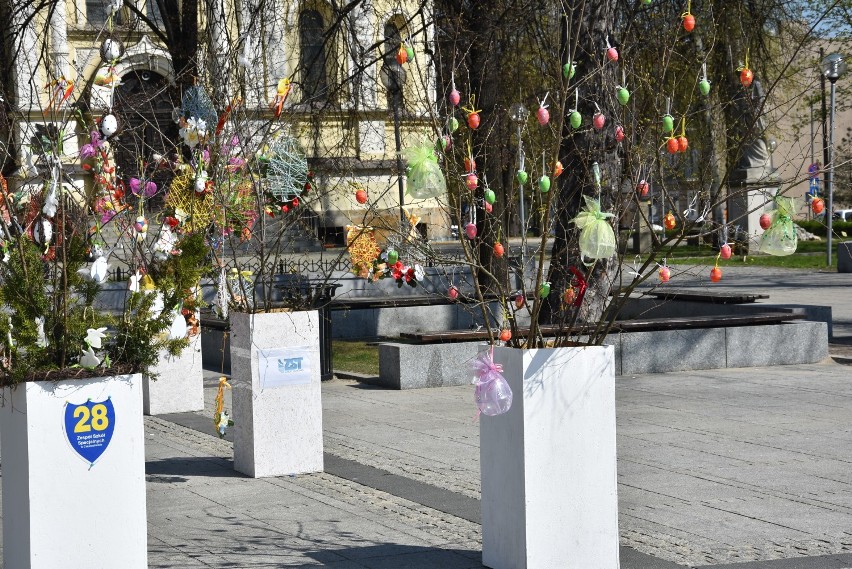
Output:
(74, 474)
(548, 465)
(180, 387)
(277, 405)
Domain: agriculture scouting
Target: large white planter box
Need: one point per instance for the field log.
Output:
(548, 465)
(64, 508)
(180, 387)
(277, 405)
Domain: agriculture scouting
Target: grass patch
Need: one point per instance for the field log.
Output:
(356, 357)
(794, 261)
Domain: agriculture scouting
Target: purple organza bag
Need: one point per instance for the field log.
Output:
(492, 394)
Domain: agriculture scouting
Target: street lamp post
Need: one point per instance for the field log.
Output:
(833, 66)
(393, 79)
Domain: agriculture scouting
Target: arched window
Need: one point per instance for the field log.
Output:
(312, 61)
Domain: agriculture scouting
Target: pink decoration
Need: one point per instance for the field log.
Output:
(453, 293)
(612, 54)
(619, 133)
(470, 230)
(455, 98)
(488, 207)
(599, 121)
(471, 181)
(725, 251)
(543, 116)
(492, 394)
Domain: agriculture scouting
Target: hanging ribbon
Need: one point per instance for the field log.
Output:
(492, 394)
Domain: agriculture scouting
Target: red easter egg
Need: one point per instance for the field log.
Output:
(725, 251)
(519, 301)
(682, 144)
(455, 98)
(453, 292)
(505, 335)
(689, 22)
(612, 54)
(765, 221)
(746, 77)
(295, 202)
(488, 207)
(558, 169)
(665, 274)
(401, 56)
(473, 120)
(619, 133)
(543, 116)
(284, 209)
(716, 274)
(642, 188)
(361, 196)
(569, 296)
(471, 181)
(672, 146)
(470, 231)
(599, 121)
(817, 206)
(469, 165)
(669, 221)
(498, 250)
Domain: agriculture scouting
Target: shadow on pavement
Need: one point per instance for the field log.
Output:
(176, 469)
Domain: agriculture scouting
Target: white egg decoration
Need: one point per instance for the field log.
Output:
(111, 49)
(109, 125)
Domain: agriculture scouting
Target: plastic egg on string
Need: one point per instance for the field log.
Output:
(488, 207)
(469, 165)
(642, 189)
(393, 256)
(490, 196)
(361, 196)
(544, 290)
(402, 55)
(619, 133)
(665, 274)
(111, 49)
(669, 221)
(746, 77)
(522, 177)
(453, 292)
(558, 169)
(576, 119)
(612, 54)
(568, 70)
(725, 251)
(704, 87)
(715, 274)
(109, 125)
(765, 221)
(543, 116)
(453, 123)
(473, 121)
(688, 22)
(471, 181)
(505, 335)
(623, 96)
(682, 143)
(598, 121)
(410, 52)
(544, 184)
(470, 230)
(817, 206)
(668, 124)
(520, 301)
(499, 250)
(454, 98)
(672, 145)
(569, 296)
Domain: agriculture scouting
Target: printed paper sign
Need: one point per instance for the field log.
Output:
(284, 366)
(89, 427)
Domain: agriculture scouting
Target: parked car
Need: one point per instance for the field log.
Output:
(843, 215)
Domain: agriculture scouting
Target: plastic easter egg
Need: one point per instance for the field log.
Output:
(689, 22)
(469, 165)
(704, 87)
(410, 52)
(470, 230)
(623, 96)
(598, 121)
(490, 196)
(361, 196)
(619, 133)
(725, 251)
(544, 184)
(669, 221)
(453, 124)
(499, 250)
(471, 181)
(505, 335)
(558, 169)
(682, 143)
(642, 188)
(746, 77)
(665, 274)
(109, 125)
(520, 301)
(141, 224)
(488, 207)
(453, 293)
(568, 70)
(393, 256)
(543, 116)
(401, 56)
(668, 123)
(817, 206)
(441, 143)
(765, 221)
(612, 54)
(473, 121)
(455, 98)
(575, 119)
(672, 146)
(111, 49)
(570, 295)
(716, 274)
(544, 290)
(522, 177)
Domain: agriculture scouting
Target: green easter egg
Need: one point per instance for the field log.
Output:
(544, 184)
(544, 290)
(441, 143)
(454, 124)
(668, 123)
(623, 96)
(490, 197)
(576, 119)
(410, 52)
(568, 70)
(704, 87)
(393, 256)
(647, 2)
(522, 177)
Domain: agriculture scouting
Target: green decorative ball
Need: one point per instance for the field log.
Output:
(544, 290)
(410, 52)
(544, 184)
(454, 124)
(623, 96)
(704, 87)
(490, 197)
(668, 123)
(568, 70)
(522, 177)
(576, 119)
(393, 256)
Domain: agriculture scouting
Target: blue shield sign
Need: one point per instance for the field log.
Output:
(89, 427)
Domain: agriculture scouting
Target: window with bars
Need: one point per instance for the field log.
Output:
(312, 57)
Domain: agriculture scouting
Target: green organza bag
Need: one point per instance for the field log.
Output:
(597, 239)
(780, 238)
(425, 179)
